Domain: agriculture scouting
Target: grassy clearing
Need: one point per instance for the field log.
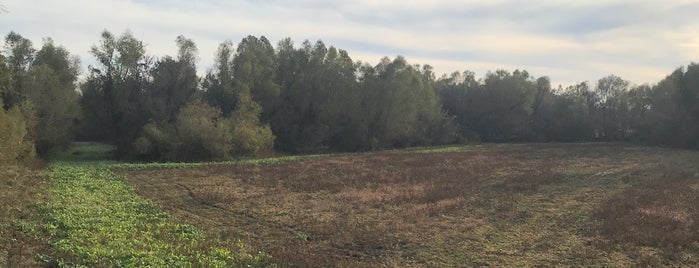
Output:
(497, 205)
(94, 219)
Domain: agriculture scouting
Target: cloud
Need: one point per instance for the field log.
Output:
(570, 41)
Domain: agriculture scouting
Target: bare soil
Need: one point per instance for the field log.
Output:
(486, 205)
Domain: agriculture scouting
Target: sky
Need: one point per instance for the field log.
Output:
(569, 41)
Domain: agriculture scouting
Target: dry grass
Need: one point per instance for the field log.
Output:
(511, 205)
(20, 241)
(662, 213)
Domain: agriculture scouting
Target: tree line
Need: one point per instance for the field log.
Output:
(260, 98)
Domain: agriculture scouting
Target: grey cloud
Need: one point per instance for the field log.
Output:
(573, 40)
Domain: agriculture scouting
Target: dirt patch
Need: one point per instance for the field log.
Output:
(20, 237)
(509, 205)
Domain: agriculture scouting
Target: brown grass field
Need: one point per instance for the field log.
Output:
(480, 205)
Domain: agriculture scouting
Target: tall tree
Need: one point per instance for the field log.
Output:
(218, 83)
(319, 99)
(20, 54)
(611, 91)
(174, 83)
(51, 87)
(253, 70)
(672, 117)
(399, 104)
(502, 107)
(115, 89)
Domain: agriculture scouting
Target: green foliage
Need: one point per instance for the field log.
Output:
(15, 143)
(202, 132)
(320, 99)
(113, 92)
(504, 106)
(249, 136)
(50, 86)
(19, 55)
(253, 70)
(218, 83)
(174, 83)
(95, 219)
(199, 132)
(668, 113)
(5, 78)
(613, 103)
(399, 101)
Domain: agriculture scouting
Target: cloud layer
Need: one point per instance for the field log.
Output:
(570, 41)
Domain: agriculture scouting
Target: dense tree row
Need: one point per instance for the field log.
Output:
(308, 99)
(40, 104)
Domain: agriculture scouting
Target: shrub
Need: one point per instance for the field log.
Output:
(250, 137)
(15, 142)
(200, 132)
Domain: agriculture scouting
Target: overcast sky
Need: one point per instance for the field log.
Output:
(569, 41)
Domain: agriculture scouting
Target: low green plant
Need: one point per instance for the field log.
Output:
(95, 219)
(302, 237)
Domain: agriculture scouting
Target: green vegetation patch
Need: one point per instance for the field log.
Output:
(184, 165)
(444, 149)
(96, 220)
(84, 152)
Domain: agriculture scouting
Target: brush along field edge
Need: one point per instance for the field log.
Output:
(95, 219)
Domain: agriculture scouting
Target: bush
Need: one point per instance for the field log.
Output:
(200, 132)
(15, 141)
(250, 137)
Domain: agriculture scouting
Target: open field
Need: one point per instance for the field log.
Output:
(512, 205)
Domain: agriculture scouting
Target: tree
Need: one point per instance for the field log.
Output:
(16, 145)
(319, 99)
(502, 107)
(456, 94)
(612, 103)
(20, 54)
(400, 105)
(253, 70)
(218, 83)
(672, 117)
(113, 91)
(50, 86)
(174, 83)
(5, 79)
